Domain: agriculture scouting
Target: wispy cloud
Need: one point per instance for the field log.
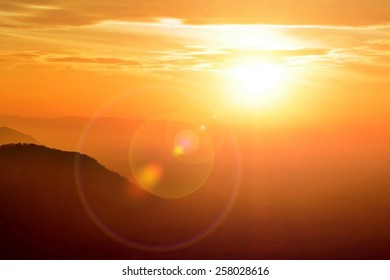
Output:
(174, 60)
(173, 46)
(50, 14)
(95, 60)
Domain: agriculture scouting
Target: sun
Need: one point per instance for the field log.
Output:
(256, 84)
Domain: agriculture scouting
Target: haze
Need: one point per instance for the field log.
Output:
(289, 98)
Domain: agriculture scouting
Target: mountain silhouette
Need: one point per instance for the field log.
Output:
(9, 135)
(64, 205)
(41, 213)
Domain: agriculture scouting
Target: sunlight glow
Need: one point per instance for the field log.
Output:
(253, 37)
(256, 84)
(170, 21)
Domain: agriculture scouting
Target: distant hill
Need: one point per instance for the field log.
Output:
(9, 135)
(65, 134)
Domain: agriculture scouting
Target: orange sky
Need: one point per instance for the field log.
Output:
(60, 58)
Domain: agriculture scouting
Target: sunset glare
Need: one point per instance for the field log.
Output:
(234, 129)
(257, 84)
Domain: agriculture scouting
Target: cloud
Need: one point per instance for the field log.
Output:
(152, 48)
(173, 60)
(58, 13)
(96, 60)
(187, 58)
(228, 54)
(18, 57)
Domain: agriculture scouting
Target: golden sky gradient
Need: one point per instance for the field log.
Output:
(60, 58)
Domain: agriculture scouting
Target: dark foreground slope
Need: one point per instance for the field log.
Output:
(63, 205)
(41, 214)
(331, 211)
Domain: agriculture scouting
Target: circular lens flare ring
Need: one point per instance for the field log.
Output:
(186, 142)
(154, 172)
(180, 153)
(189, 140)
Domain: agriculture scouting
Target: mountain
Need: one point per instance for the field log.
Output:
(66, 133)
(64, 205)
(8, 135)
(41, 213)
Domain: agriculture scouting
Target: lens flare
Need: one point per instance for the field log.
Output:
(186, 142)
(180, 155)
(204, 121)
(150, 174)
(172, 171)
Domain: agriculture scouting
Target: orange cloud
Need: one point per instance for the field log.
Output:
(49, 13)
(97, 60)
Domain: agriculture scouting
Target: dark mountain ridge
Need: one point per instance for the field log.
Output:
(64, 205)
(41, 213)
